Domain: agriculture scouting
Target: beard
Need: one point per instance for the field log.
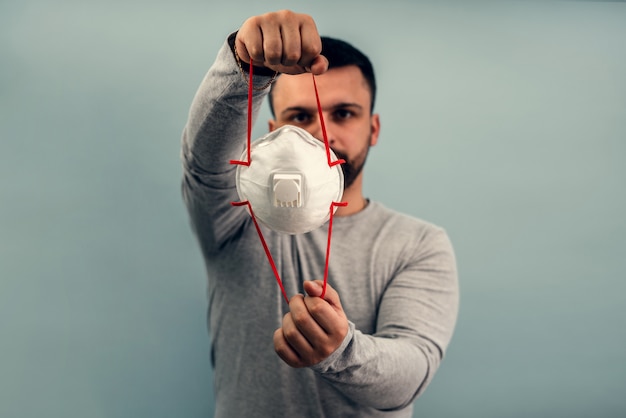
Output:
(353, 166)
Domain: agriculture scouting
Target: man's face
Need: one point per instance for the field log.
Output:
(346, 101)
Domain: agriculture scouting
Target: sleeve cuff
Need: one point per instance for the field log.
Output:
(333, 363)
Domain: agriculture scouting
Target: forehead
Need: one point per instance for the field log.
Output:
(343, 84)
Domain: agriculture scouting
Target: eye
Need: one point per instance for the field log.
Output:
(300, 118)
(342, 114)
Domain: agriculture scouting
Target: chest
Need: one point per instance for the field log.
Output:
(359, 270)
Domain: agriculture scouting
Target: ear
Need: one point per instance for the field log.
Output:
(271, 125)
(375, 129)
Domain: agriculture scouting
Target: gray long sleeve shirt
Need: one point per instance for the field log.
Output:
(395, 274)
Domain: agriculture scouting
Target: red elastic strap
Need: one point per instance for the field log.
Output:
(323, 125)
(250, 91)
(330, 233)
(247, 203)
(267, 251)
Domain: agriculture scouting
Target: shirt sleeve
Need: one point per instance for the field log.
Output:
(390, 368)
(215, 133)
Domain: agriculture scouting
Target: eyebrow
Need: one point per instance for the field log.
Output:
(342, 105)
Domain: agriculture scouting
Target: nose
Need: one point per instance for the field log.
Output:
(318, 131)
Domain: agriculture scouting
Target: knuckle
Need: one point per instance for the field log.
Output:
(312, 49)
(265, 18)
(255, 52)
(300, 317)
(290, 334)
(285, 14)
(250, 22)
(272, 52)
(297, 364)
(315, 307)
(305, 19)
(282, 352)
(286, 318)
(326, 351)
(291, 57)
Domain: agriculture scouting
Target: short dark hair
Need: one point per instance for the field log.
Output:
(342, 54)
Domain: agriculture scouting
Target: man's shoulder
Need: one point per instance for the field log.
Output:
(409, 238)
(402, 220)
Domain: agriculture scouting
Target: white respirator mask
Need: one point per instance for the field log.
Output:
(289, 182)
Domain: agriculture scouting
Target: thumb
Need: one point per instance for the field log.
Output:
(319, 65)
(315, 288)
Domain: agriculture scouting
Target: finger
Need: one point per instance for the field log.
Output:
(333, 324)
(296, 338)
(285, 351)
(242, 51)
(311, 42)
(318, 66)
(304, 323)
(249, 40)
(309, 342)
(291, 44)
(316, 287)
(330, 318)
(272, 43)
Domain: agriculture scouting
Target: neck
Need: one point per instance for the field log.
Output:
(354, 196)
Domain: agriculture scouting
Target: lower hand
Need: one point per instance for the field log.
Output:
(314, 327)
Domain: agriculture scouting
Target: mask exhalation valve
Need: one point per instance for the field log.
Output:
(287, 190)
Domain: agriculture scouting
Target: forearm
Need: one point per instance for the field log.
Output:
(414, 324)
(216, 133)
(216, 127)
(382, 373)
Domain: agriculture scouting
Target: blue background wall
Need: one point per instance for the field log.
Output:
(505, 122)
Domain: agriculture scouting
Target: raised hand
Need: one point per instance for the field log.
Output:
(282, 41)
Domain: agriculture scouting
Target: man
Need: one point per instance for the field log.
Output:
(372, 344)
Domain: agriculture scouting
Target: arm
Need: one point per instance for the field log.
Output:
(215, 133)
(416, 317)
